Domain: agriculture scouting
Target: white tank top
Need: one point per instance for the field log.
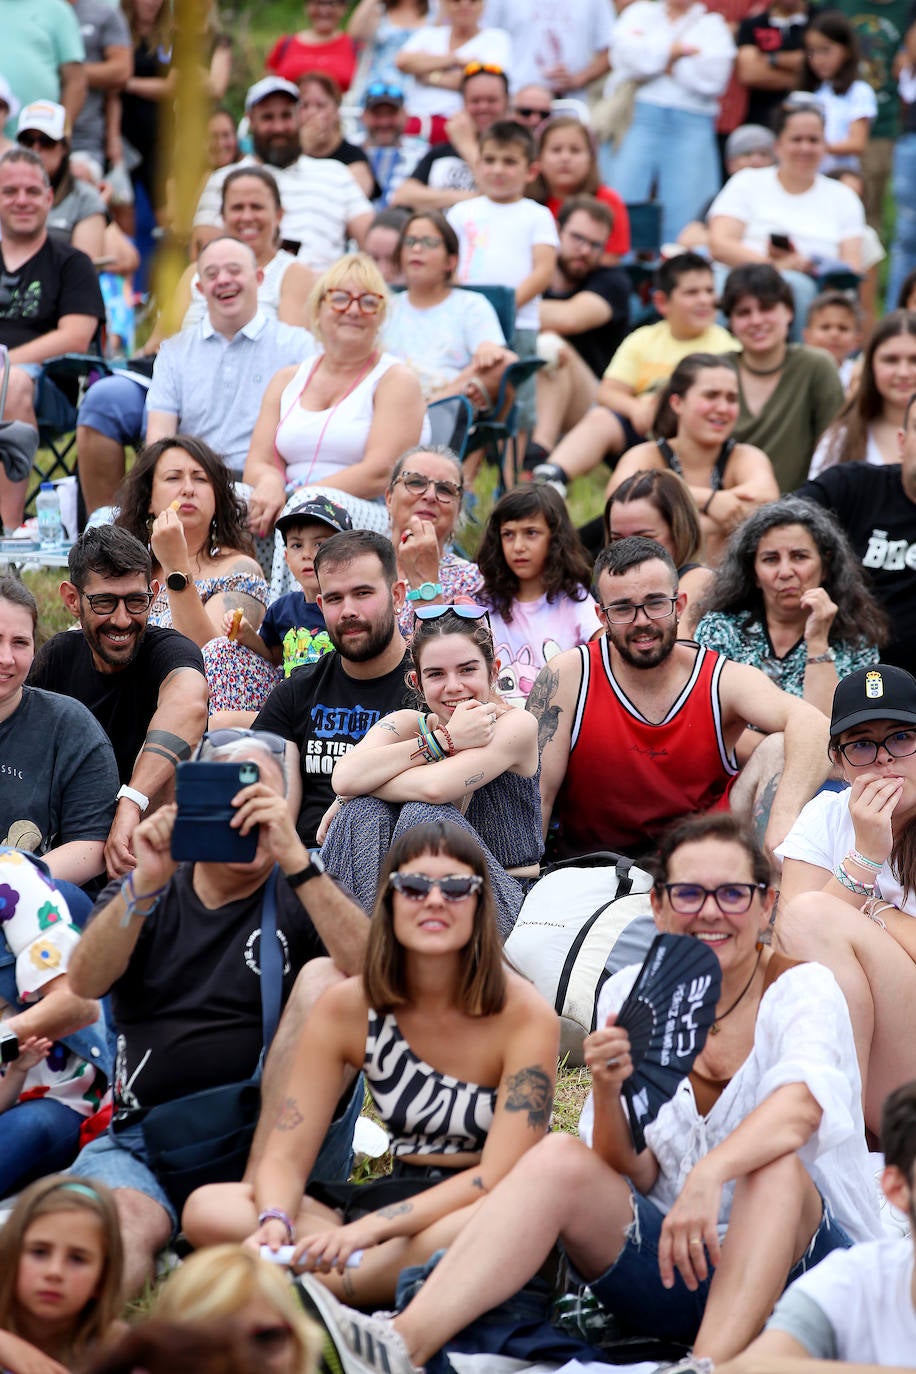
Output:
(342, 430)
(268, 290)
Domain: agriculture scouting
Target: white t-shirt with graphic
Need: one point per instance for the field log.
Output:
(496, 240)
(537, 632)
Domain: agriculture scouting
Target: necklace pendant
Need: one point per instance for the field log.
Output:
(714, 1028)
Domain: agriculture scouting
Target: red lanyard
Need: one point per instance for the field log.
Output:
(371, 362)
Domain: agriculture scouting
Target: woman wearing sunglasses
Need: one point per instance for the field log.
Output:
(849, 875)
(754, 1169)
(465, 756)
(459, 1055)
(341, 418)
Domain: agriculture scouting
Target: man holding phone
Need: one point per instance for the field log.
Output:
(178, 946)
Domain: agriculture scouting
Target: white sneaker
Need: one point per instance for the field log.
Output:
(363, 1343)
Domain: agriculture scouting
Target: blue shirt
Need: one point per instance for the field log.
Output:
(297, 625)
(215, 385)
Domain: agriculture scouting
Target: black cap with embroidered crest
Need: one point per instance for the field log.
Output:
(883, 692)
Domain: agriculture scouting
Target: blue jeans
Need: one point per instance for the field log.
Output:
(632, 1287)
(903, 249)
(37, 1137)
(676, 151)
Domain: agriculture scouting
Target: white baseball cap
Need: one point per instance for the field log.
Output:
(7, 98)
(270, 85)
(44, 117)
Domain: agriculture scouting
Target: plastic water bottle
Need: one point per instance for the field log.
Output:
(50, 526)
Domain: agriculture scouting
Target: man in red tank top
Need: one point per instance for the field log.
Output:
(638, 727)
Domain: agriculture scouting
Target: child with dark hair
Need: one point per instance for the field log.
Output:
(536, 578)
(830, 72)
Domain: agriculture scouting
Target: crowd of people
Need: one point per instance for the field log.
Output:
(320, 723)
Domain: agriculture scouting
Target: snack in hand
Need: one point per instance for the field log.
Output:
(236, 622)
(175, 505)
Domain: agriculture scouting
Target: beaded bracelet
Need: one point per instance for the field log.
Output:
(850, 883)
(131, 901)
(276, 1214)
(859, 858)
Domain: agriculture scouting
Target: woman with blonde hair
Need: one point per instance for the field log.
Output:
(234, 1287)
(340, 418)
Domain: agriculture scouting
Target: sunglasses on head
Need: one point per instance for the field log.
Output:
(381, 90)
(218, 739)
(475, 68)
(454, 888)
(464, 612)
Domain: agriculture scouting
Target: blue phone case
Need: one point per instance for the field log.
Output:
(204, 793)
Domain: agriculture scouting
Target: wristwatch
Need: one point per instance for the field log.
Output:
(427, 591)
(177, 581)
(138, 798)
(305, 875)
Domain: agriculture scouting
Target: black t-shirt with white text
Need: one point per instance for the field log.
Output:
(597, 346)
(325, 712)
(769, 34)
(188, 1005)
(124, 702)
(880, 522)
(57, 280)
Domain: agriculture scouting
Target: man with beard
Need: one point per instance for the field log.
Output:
(326, 707)
(50, 303)
(322, 204)
(145, 686)
(638, 728)
(587, 310)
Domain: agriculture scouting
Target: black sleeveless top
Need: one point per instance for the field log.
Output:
(718, 472)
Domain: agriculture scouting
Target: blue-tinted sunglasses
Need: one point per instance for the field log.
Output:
(381, 90)
(464, 612)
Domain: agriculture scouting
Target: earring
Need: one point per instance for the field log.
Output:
(215, 549)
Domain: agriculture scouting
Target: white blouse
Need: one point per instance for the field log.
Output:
(803, 1035)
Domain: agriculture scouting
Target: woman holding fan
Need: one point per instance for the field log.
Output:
(754, 1169)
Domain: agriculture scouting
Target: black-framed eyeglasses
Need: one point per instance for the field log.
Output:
(231, 734)
(465, 611)
(106, 603)
(369, 302)
(732, 899)
(593, 245)
(418, 485)
(625, 612)
(454, 888)
(422, 241)
(859, 753)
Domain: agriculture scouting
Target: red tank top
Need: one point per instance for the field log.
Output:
(628, 778)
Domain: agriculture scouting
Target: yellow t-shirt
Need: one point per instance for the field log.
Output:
(649, 355)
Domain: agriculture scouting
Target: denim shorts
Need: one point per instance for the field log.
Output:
(632, 1287)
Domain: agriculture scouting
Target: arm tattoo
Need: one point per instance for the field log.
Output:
(290, 1116)
(540, 704)
(397, 1209)
(530, 1091)
(477, 1182)
(167, 746)
(386, 725)
(475, 777)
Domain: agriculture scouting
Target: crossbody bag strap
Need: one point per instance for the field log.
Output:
(271, 962)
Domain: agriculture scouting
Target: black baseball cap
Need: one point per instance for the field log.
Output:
(316, 508)
(880, 693)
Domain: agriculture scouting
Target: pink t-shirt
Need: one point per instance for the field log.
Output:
(537, 632)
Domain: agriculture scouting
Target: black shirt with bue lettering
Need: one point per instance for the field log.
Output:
(880, 522)
(325, 712)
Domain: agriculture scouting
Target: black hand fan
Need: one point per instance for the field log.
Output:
(667, 1017)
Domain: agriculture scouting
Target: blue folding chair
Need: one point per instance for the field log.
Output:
(450, 421)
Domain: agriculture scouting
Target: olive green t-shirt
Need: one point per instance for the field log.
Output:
(807, 397)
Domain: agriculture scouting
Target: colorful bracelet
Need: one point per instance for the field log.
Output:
(850, 883)
(276, 1214)
(132, 901)
(859, 858)
(449, 742)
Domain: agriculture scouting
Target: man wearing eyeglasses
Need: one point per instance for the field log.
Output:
(50, 303)
(144, 685)
(179, 946)
(639, 728)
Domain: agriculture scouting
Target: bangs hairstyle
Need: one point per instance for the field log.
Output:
(214, 1284)
(537, 188)
(759, 280)
(836, 28)
(898, 1130)
(229, 527)
(477, 631)
(734, 591)
(443, 229)
(60, 1193)
(567, 569)
(367, 276)
(716, 825)
(482, 982)
(670, 496)
(679, 383)
(848, 435)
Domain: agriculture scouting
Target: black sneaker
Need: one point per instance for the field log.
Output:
(552, 475)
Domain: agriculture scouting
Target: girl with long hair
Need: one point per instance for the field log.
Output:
(831, 70)
(459, 1054)
(568, 166)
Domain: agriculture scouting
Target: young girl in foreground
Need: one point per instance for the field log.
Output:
(459, 1054)
(60, 1276)
(536, 579)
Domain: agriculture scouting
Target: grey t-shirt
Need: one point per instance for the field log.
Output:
(102, 26)
(81, 201)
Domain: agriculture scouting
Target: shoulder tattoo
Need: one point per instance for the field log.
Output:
(530, 1090)
(541, 705)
